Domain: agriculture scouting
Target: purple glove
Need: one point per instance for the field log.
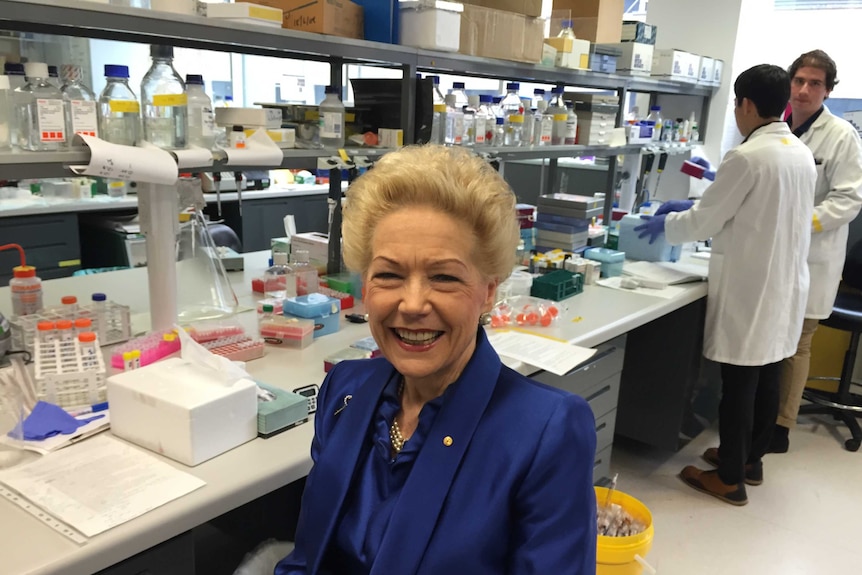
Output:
(701, 162)
(674, 206)
(654, 227)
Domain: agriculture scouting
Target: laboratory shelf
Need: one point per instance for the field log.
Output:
(558, 152)
(92, 20)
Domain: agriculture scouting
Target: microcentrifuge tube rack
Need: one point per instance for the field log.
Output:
(70, 374)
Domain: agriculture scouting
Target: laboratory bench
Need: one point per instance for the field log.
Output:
(245, 476)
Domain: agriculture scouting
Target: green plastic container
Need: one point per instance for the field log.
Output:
(557, 285)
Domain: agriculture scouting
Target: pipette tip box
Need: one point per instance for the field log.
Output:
(279, 410)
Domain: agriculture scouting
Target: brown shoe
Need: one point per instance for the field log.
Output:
(753, 472)
(710, 483)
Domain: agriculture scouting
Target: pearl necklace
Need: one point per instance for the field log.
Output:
(396, 439)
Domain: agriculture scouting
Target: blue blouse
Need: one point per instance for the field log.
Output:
(377, 484)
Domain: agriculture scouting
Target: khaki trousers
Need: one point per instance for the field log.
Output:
(794, 375)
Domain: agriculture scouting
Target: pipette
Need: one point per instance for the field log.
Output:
(217, 184)
(237, 176)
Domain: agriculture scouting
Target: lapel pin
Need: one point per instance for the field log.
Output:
(448, 441)
(347, 399)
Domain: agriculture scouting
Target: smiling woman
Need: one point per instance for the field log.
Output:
(444, 460)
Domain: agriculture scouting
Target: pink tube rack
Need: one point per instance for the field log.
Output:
(153, 347)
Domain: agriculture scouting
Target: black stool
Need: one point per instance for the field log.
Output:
(842, 405)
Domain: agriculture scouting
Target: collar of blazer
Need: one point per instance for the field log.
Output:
(425, 491)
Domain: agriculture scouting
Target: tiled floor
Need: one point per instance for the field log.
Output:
(806, 518)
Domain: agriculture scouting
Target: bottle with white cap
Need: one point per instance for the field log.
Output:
(82, 116)
(41, 112)
(5, 114)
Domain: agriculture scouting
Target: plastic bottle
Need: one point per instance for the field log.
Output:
(689, 127)
(163, 93)
(70, 305)
(571, 125)
(41, 112)
(332, 119)
(65, 333)
(487, 119)
(529, 126)
(515, 131)
(454, 122)
(679, 131)
(695, 132)
(438, 124)
(87, 345)
(201, 121)
(469, 137)
(567, 30)
(83, 324)
(279, 280)
(655, 118)
(500, 132)
(538, 96)
(667, 130)
(45, 331)
(458, 90)
(26, 290)
(17, 81)
(306, 274)
(237, 138)
(476, 122)
(511, 103)
(557, 110)
(543, 125)
(82, 115)
(120, 120)
(496, 106)
(436, 94)
(5, 115)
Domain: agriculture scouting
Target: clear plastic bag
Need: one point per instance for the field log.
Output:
(528, 312)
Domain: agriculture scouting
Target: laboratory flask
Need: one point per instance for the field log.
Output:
(203, 289)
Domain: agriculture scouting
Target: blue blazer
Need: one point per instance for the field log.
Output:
(512, 494)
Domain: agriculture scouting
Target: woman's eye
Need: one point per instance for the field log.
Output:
(385, 276)
(445, 278)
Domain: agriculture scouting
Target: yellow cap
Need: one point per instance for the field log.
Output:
(516, 119)
(129, 355)
(169, 337)
(439, 107)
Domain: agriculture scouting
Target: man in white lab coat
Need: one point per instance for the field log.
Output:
(837, 200)
(758, 212)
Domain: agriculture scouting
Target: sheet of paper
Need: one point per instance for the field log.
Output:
(141, 164)
(555, 356)
(60, 441)
(259, 150)
(666, 272)
(99, 483)
(193, 157)
(669, 292)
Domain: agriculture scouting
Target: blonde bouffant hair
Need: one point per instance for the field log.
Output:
(452, 180)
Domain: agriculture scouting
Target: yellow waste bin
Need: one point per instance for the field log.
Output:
(616, 555)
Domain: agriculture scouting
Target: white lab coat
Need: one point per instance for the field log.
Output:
(838, 198)
(758, 213)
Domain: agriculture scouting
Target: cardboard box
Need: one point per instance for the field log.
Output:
(639, 32)
(676, 65)
(335, 17)
(707, 71)
(717, 71)
(246, 12)
(198, 416)
(549, 55)
(636, 57)
(578, 58)
(491, 33)
(598, 21)
(561, 44)
(390, 138)
(532, 8)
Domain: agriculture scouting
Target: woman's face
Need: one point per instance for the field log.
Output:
(424, 294)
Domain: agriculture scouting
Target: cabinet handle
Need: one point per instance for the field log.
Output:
(597, 463)
(605, 389)
(593, 361)
(602, 426)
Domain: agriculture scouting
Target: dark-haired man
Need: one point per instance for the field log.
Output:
(758, 212)
(838, 155)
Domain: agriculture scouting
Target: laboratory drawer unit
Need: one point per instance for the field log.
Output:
(50, 242)
(597, 381)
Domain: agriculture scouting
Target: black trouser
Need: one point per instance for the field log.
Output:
(749, 406)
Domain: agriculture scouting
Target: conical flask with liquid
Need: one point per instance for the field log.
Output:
(203, 289)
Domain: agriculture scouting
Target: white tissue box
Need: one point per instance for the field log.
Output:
(182, 410)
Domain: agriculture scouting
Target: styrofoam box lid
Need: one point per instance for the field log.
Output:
(430, 4)
(605, 255)
(179, 382)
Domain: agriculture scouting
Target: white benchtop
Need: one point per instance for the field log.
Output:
(262, 465)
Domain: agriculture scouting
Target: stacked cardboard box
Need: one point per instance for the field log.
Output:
(492, 33)
(594, 20)
(336, 17)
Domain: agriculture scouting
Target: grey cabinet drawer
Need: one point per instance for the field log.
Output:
(173, 557)
(605, 430)
(602, 465)
(603, 396)
(50, 242)
(607, 361)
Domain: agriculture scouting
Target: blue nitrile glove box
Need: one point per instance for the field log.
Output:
(381, 20)
(612, 260)
(323, 310)
(636, 248)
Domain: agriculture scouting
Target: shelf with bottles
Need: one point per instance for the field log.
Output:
(94, 20)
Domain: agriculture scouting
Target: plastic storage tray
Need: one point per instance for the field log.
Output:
(292, 332)
(637, 248)
(557, 285)
(312, 306)
(323, 324)
(612, 260)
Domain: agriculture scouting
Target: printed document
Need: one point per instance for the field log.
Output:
(551, 355)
